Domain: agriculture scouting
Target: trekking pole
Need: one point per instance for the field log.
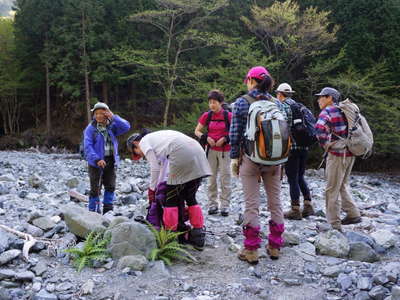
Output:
(100, 183)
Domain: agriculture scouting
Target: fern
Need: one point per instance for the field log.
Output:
(168, 247)
(94, 248)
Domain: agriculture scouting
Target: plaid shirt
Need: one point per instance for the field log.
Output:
(239, 120)
(331, 122)
(108, 145)
(288, 102)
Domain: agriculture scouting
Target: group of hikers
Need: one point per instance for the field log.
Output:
(257, 140)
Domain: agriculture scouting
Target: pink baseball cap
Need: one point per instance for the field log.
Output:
(258, 72)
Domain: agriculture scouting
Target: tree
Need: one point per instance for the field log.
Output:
(179, 22)
(34, 21)
(290, 35)
(10, 78)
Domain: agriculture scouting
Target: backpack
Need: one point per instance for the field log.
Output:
(226, 119)
(359, 140)
(203, 141)
(267, 134)
(302, 127)
(81, 148)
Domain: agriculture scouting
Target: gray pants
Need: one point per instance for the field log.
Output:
(220, 163)
(337, 173)
(250, 173)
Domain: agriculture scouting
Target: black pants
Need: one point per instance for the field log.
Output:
(295, 168)
(177, 195)
(99, 177)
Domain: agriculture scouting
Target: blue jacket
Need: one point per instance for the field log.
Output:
(94, 140)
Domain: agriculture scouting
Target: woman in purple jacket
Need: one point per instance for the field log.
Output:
(101, 153)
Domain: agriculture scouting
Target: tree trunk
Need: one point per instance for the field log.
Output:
(166, 111)
(85, 66)
(48, 114)
(104, 86)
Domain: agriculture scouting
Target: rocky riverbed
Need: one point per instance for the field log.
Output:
(316, 263)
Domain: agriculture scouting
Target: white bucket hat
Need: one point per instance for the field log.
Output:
(285, 88)
(99, 105)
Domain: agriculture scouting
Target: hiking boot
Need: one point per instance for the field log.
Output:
(273, 252)
(213, 210)
(197, 238)
(251, 256)
(293, 214)
(308, 209)
(224, 212)
(348, 221)
(107, 208)
(337, 227)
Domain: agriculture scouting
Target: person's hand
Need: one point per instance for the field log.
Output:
(235, 166)
(220, 142)
(211, 142)
(102, 164)
(109, 115)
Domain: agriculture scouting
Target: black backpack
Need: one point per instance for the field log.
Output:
(302, 128)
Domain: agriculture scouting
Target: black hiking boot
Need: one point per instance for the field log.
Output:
(197, 238)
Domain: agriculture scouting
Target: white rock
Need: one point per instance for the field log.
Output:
(7, 177)
(87, 287)
(385, 238)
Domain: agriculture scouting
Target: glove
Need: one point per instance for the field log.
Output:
(151, 195)
(235, 166)
(203, 140)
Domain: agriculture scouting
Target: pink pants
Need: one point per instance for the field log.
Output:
(250, 173)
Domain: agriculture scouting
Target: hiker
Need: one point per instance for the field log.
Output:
(215, 123)
(296, 164)
(187, 166)
(101, 153)
(331, 125)
(259, 82)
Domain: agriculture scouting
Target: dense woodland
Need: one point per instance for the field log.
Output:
(153, 61)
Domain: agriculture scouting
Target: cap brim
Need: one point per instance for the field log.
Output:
(286, 92)
(319, 94)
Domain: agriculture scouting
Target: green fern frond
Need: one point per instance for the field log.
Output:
(168, 247)
(94, 248)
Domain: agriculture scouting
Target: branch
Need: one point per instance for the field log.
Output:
(30, 241)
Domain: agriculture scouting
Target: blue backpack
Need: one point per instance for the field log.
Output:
(302, 128)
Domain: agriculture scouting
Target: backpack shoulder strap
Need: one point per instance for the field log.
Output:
(208, 120)
(249, 99)
(226, 119)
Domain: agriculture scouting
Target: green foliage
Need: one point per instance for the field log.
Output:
(371, 90)
(168, 248)
(94, 248)
(289, 34)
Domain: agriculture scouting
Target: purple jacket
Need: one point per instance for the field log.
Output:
(94, 140)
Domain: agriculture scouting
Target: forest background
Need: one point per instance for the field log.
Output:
(153, 62)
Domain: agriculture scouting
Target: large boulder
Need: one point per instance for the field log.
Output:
(81, 221)
(130, 238)
(44, 223)
(332, 243)
(5, 240)
(362, 252)
(384, 238)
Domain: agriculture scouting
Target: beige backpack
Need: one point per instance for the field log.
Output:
(360, 139)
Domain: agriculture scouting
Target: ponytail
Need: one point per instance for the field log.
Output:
(264, 85)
